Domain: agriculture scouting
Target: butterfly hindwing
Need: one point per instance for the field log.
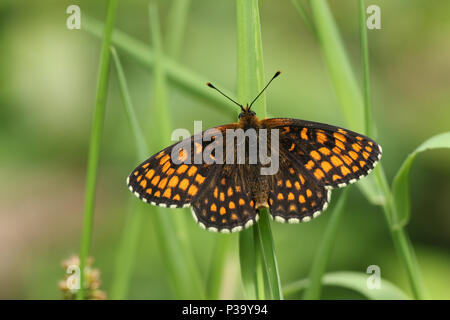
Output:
(226, 204)
(334, 156)
(294, 197)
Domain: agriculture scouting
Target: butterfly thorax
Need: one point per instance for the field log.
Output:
(248, 119)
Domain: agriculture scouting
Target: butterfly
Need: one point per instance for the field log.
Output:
(313, 158)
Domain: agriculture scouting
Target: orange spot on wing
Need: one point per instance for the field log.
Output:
(155, 180)
(339, 144)
(288, 184)
(146, 165)
(162, 183)
(150, 174)
(280, 196)
(183, 184)
(182, 155)
(231, 205)
(170, 171)
(345, 171)
(234, 216)
(181, 169)
(160, 155)
(199, 178)
(336, 150)
(336, 161)
(326, 166)
(167, 193)
(321, 137)
(356, 147)
(309, 165)
(365, 155)
(347, 159)
(222, 196)
(308, 193)
(173, 181)
(319, 174)
(368, 148)
(241, 202)
(336, 177)
(355, 168)
(325, 151)
(301, 199)
(291, 196)
(157, 194)
(192, 190)
(164, 159)
(149, 190)
(230, 192)
(222, 210)
(353, 154)
(166, 166)
(297, 185)
(213, 207)
(143, 183)
(177, 197)
(315, 155)
(362, 163)
(304, 134)
(192, 170)
(216, 192)
(302, 180)
(292, 147)
(292, 207)
(339, 136)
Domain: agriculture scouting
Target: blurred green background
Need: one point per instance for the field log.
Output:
(48, 80)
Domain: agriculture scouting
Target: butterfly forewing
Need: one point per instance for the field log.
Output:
(333, 156)
(173, 182)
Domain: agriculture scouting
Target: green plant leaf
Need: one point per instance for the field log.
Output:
(356, 281)
(95, 140)
(400, 185)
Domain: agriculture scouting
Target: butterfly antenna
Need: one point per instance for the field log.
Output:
(209, 84)
(274, 76)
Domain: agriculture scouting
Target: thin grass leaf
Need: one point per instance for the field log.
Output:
(400, 185)
(126, 255)
(347, 91)
(184, 78)
(356, 281)
(339, 67)
(95, 141)
(176, 26)
(323, 254)
(250, 83)
(301, 10)
(365, 69)
(170, 228)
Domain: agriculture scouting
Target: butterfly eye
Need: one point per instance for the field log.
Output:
(253, 113)
(240, 115)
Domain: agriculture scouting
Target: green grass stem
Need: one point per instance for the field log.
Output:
(250, 83)
(323, 254)
(95, 142)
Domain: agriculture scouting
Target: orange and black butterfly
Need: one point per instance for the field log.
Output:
(313, 158)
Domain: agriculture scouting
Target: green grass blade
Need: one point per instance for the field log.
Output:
(268, 255)
(345, 86)
(338, 64)
(250, 83)
(400, 186)
(184, 78)
(95, 141)
(356, 281)
(301, 10)
(184, 274)
(323, 254)
(365, 68)
(176, 26)
(247, 260)
(126, 255)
